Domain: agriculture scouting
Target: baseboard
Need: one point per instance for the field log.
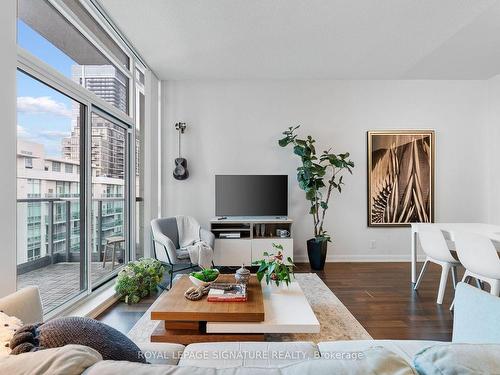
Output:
(336, 258)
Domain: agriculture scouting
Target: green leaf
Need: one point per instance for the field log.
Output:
(311, 195)
(283, 142)
(263, 267)
(299, 150)
(278, 246)
(324, 205)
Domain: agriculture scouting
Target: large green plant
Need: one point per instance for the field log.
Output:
(318, 176)
(139, 279)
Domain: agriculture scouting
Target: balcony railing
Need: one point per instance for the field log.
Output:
(57, 238)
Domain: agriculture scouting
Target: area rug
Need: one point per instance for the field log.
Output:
(337, 323)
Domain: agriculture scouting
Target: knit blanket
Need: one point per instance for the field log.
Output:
(200, 253)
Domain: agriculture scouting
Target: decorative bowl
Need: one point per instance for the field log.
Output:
(199, 283)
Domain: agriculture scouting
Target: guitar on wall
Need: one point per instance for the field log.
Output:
(180, 171)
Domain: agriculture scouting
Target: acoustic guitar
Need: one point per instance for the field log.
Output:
(180, 171)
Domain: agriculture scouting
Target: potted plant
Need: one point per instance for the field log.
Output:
(318, 176)
(275, 268)
(139, 279)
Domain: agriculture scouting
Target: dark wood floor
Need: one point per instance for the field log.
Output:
(379, 295)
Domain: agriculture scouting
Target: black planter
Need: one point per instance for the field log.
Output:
(316, 251)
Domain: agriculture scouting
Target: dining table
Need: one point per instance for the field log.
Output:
(449, 230)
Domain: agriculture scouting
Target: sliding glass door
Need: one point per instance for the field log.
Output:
(50, 240)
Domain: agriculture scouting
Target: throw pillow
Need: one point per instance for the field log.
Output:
(110, 343)
(8, 326)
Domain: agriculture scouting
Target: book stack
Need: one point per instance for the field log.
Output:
(231, 293)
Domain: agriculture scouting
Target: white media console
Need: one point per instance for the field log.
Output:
(251, 243)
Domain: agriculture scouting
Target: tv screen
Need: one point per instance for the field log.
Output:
(251, 195)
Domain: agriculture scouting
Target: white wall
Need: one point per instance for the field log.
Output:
(233, 127)
(493, 158)
(8, 147)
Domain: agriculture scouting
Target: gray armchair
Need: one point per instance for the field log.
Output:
(166, 245)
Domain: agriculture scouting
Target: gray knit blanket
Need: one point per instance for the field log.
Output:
(110, 343)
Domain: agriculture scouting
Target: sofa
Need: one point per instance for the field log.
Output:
(474, 349)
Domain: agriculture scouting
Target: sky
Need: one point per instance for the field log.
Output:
(43, 114)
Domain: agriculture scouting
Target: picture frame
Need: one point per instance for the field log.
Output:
(400, 177)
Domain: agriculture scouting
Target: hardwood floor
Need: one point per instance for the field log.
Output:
(379, 295)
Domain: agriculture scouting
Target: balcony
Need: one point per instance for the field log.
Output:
(59, 281)
(53, 260)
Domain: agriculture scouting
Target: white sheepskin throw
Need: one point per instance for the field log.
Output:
(8, 326)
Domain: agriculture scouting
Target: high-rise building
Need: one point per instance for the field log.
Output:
(105, 81)
(108, 140)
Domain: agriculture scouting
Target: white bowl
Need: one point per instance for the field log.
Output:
(199, 282)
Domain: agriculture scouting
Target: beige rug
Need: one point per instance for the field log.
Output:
(337, 323)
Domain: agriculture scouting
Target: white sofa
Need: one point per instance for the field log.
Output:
(289, 358)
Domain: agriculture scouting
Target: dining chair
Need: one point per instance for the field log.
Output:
(480, 259)
(434, 245)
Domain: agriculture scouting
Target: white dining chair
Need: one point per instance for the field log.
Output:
(480, 259)
(434, 245)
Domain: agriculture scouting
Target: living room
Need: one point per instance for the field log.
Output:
(250, 187)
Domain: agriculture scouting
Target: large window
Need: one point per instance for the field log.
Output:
(46, 34)
(46, 255)
(75, 154)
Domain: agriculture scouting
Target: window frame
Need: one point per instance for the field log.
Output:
(56, 166)
(46, 74)
(28, 162)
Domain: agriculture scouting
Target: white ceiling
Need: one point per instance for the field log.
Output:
(313, 39)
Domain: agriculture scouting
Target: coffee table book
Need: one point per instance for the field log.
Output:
(238, 293)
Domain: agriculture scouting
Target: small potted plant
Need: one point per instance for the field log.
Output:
(318, 176)
(275, 268)
(139, 279)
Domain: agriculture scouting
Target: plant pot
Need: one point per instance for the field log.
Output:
(316, 251)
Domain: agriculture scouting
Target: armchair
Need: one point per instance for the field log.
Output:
(166, 245)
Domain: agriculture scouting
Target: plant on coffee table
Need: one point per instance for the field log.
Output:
(139, 279)
(275, 268)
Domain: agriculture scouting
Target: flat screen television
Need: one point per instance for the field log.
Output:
(251, 195)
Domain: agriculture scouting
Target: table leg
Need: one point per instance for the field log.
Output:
(414, 244)
(104, 257)
(113, 257)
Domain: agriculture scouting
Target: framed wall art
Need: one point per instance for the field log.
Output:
(400, 177)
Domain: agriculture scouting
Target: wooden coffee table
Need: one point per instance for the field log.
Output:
(185, 321)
